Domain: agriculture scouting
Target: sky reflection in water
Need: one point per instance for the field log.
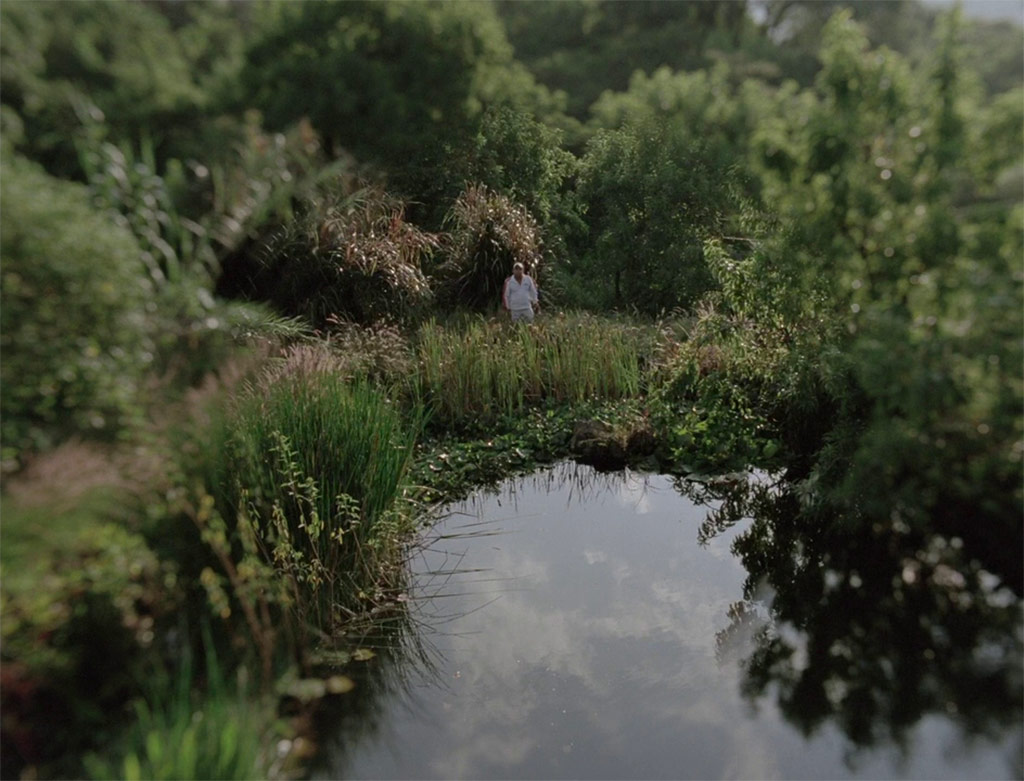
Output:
(573, 619)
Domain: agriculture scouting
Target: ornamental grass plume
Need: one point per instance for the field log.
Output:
(487, 234)
(351, 257)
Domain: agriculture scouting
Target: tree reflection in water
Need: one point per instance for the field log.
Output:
(871, 625)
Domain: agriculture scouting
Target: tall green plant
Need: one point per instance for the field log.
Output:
(178, 735)
(313, 468)
(173, 247)
(474, 374)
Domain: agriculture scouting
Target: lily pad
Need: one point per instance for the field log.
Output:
(307, 689)
(340, 684)
(331, 656)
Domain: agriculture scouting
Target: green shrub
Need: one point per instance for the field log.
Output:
(74, 335)
(81, 603)
(709, 400)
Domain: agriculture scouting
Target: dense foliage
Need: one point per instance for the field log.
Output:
(650, 193)
(75, 339)
(487, 234)
(885, 301)
(346, 255)
(251, 257)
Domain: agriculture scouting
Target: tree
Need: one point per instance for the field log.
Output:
(119, 62)
(514, 154)
(649, 194)
(876, 336)
(897, 309)
(584, 47)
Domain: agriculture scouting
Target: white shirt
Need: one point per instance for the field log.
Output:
(519, 295)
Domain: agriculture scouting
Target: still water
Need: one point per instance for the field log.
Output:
(576, 625)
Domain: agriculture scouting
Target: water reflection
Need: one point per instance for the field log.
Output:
(873, 627)
(577, 630)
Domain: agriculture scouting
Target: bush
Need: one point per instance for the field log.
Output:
(196, 334)
(351, 257)
(488, 233)
(74, 335)
(83, 599)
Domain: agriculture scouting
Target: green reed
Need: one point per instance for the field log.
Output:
(482, 370)
(180, 732)
(314, 467)
(349, 438)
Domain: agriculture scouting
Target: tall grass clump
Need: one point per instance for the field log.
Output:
(351, 256)
(177, 734)
(483, 370)
(312, 469)
(486, 234)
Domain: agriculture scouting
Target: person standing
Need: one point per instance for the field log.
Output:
(519, 295)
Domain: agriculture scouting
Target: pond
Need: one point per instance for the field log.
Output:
(579, 625)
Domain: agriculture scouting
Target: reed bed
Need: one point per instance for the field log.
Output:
(349, 438)
(483, 370)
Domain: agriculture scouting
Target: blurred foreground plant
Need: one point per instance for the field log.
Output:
(73, 320)
(83, 601)
(179, 735)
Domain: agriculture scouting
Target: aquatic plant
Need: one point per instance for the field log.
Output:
(311, 469)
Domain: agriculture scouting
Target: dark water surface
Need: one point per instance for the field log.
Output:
(572, 626)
